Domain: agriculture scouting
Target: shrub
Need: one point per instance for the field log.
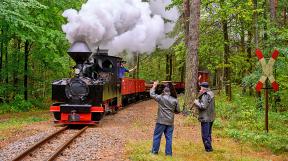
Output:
(20, 105)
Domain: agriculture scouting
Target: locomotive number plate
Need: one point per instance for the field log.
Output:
(73, 117)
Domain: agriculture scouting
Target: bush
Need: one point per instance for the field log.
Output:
(20, 105)
(5, 108)
(39, 103)
(245, 122)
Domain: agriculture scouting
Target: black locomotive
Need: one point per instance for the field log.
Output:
(94, 90)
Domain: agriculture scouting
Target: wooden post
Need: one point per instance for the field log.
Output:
(266, 107)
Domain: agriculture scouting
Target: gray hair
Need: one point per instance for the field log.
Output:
(166, 91)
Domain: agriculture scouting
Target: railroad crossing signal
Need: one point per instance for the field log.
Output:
(267, 70)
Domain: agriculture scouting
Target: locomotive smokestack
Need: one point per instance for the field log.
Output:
(102, 51)
(79, 52)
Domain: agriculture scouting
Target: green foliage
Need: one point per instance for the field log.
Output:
(244, 122)
(39, 24)
(16, 13)
(18, 105)
(180, 52)
(5, 108)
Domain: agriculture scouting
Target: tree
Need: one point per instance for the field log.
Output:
(192, 55)
(272, 10)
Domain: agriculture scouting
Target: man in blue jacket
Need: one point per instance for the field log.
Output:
(167, 106)
(123, 69)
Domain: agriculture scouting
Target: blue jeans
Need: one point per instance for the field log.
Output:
(168, 132)
(206, 130)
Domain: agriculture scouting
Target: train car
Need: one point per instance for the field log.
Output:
(94, 90)
(180, 86)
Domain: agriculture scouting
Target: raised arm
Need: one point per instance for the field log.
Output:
(134, 68)
(152, 92)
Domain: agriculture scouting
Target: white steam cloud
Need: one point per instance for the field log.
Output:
(121, 25)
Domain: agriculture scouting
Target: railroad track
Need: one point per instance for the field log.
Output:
(43, 141)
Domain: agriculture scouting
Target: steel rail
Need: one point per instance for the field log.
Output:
(61, 148)
(33, 147)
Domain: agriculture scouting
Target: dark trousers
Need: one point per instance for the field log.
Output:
(168, 132)
(206, 130)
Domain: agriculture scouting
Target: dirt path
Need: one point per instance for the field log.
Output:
(135, 124)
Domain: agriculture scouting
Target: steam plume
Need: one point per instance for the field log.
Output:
(119, 25)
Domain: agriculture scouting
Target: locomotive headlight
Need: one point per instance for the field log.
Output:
(76, 89)
(77, 71)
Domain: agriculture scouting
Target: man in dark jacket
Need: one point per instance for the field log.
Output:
(206, 106)
(167, 106)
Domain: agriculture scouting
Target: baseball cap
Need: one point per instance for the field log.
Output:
(204, 84)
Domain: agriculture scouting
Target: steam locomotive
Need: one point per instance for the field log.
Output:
(94, 90)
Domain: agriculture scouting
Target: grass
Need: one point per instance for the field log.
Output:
(243, 121)
(13, 121)
(187, 150)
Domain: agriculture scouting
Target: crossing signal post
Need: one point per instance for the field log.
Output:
(267, 74)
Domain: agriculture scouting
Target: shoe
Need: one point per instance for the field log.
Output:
(154, 153)
(209, 150)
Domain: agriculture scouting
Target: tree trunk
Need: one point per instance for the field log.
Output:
(17, 43)
(242, 37)
(272, 10)
(192, 56)
(134, 74)
(249, 50)
(186, 17)
(6, 61)
(1, 56)
(138, 65)
(159, 67)
(226, 72)
(249, 57)
(220, 79)
(265, 25)
(170, 67)
(242, 49)
(284, 15)
(214, 84)
(255, 19)
(26, 52)
(167, 67)
(182, 73)
(226, 60)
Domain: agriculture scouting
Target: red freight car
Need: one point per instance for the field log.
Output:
(180, 86)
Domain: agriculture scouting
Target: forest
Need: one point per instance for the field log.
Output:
(216, 36)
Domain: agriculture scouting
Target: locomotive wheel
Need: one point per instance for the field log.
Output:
(57, 115)
(96, 116)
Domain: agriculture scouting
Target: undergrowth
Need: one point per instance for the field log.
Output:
(241, 119)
